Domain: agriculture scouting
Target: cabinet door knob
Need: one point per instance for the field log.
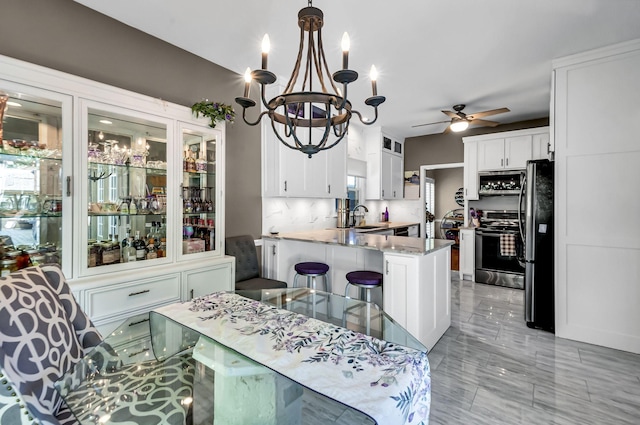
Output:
(68, 185)
(285, 185)
(507, 162)
(502, 162)
(387, 267)
(329, 188)
(273, 250)
(191, 294)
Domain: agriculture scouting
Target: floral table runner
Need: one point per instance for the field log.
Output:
(388, 382)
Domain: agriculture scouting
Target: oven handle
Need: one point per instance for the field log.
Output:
(495, 232)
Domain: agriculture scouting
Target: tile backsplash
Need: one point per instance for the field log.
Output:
(301, 214)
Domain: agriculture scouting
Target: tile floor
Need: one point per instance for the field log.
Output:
(490, 368)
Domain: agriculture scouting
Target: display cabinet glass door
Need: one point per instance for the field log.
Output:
(199, 191)
(31, 177)
(127, 181)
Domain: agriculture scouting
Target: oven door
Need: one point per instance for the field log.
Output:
(496, 264)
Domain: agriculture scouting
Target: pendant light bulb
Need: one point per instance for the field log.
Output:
(458, 126)
(247, 75)
(266, 44)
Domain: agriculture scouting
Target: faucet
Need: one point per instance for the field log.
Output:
(353, 222)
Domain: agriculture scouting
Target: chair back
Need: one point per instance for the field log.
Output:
(244, 249)
(43, 333)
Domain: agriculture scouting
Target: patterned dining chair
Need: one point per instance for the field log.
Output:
(43, 334)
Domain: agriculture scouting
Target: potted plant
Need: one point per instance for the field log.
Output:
(215, 111)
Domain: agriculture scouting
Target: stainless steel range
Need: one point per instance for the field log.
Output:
(500, 250)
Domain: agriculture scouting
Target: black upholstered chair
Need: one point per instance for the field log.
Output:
(247, 267)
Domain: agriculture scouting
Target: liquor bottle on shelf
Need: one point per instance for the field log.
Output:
(191, 163)
(125, 240)
(162, 248)
(129, 252)
(139, 245)
(201, 163)
(133, 209)
(204, 235)
(152, 252)
(184, 160)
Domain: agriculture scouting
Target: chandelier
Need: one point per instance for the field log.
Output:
(320, 103)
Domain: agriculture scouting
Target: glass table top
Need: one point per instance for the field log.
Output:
(172, 371)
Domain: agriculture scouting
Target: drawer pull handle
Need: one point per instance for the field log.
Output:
(138, 293)
(144, 350)
(138, 322)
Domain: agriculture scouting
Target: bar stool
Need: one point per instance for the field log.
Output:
(312, 270)
(365, 280)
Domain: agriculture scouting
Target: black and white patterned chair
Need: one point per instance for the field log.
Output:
(44, 333)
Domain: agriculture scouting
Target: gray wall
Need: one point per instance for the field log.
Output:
(69, 37)
(448, 181)
(448, 148)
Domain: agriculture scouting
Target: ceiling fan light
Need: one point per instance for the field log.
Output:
(460, 125)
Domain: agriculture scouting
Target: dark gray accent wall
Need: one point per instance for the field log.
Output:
(72, 38)
(448, 148)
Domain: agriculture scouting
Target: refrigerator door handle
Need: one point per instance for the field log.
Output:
(520, 198)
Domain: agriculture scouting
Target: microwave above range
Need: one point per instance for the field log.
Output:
(500, 183)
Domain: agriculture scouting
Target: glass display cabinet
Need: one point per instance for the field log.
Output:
(199, 190)
(34, 190)
(126, 187)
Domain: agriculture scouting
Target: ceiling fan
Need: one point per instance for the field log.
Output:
(461, 121)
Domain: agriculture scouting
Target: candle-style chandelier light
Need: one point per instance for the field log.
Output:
(323, 106)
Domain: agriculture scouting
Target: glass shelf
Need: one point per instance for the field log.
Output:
(127, 188)
(31, 175)
(198, 191)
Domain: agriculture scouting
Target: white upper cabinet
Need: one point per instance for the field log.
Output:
(508, 153)
(540, 146)
(385, 165)
(290, 173)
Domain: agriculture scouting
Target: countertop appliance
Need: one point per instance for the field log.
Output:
(536, 228)
(500, 183)
(500, 250)
(342, 219)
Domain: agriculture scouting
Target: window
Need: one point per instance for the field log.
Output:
(354, 190)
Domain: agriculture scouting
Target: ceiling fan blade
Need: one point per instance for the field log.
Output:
(484, 123)
(487, 113)
(430, 123)
(451, 114)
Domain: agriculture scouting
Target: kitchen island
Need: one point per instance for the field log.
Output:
(416, 272)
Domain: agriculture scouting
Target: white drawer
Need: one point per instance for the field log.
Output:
(113, 300)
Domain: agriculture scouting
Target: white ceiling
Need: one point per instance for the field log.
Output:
(430, 54)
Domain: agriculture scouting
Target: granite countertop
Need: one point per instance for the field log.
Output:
(373, 227)
(355, 239)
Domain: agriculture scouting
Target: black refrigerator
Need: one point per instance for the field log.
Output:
(536, 226)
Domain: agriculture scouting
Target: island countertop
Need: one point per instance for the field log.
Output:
(356, 239)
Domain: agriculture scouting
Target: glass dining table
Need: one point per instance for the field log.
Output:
(277, 356)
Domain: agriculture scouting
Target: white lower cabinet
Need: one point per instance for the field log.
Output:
(270, 259)
(205, 280)
(108, 303)
(467, 254)
(416, 293)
